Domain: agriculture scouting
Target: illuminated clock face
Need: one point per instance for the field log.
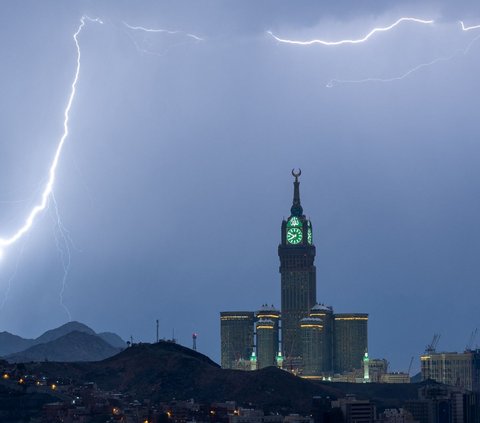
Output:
(294, 235)
(309, 235)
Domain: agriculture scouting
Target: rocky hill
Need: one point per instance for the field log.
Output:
(52, 345)
(166, 370)
(74, 346)
(10, 343)
(163, 371)
(53, 334)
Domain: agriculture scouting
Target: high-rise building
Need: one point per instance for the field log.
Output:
(311, 329)
(350, 341)
(325, 313)
(236, 333)
(266, 349)
(311, 339)
(298, 275)
(456, 369)
(267, 330)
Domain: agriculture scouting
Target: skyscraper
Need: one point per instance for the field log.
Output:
(325, 313)
(236, 334)
(311, 329)
(298, 274)
(311, 340)
(350, 341)
(267, 330)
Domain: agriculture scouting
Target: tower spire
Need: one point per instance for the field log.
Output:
(296, 208)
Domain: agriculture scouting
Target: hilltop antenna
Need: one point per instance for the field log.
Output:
(157, 331)
(194, 341)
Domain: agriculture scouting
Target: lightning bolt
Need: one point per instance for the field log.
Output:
(334, 82)
(41, 206)
(157, 31)
(468, 28)
(351, 41)
(63, 243)
(165, 31)
(464, 52)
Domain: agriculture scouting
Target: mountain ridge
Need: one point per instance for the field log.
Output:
(73, 346)
(11, 344)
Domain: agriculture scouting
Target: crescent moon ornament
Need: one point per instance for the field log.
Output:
(296, 174)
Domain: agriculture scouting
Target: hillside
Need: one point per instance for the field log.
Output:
(10, 343)
(53, 334)
(165, 370)
(74, 346)
(13, 345)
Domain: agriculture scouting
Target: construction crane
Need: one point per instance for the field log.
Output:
(431, 348)
(471, 341)
(410, 366)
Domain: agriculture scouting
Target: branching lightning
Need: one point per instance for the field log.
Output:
(334, 82)
(351, 41)
(63, 243)
(165, 31)
(41, 206)
(143, 29)
(464, 52)
(468, 28)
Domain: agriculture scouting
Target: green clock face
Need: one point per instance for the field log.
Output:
(294, 235)
(309, 235)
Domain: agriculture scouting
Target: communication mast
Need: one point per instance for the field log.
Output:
(194, 341)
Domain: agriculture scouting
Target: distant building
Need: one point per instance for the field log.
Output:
(236, 333)
(325, 313)
(267, 330)
(350, 341)
(443, 403)
(355, 410)
(311, 329)
(461, 370)
(377, 368)
(397, 377)
(266, 347)
(305, 338)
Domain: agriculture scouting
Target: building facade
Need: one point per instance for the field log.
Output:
(350, 341)
(267, 335)
(311, 329)
(325, 314)
(236, 337)
(461, 370)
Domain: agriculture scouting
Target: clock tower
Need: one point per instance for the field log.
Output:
(298, 275)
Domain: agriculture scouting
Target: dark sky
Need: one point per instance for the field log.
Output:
(175, 176)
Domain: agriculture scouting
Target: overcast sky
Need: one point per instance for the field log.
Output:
(175, 175)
